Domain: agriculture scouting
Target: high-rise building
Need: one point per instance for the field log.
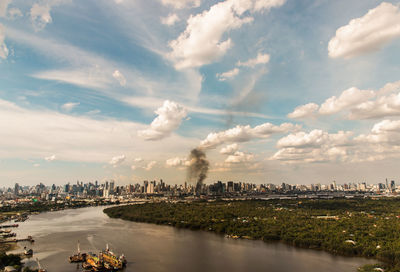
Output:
(16, 189)
(66, 187)
(150, 188)
(112, 186)
(106, 193)
(230, 187)
(392, 186)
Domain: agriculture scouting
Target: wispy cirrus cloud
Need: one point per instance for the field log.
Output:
(3, 46)
(170, 20)
(3, 7)
(180, 4)
(69, 106)
(75, 138)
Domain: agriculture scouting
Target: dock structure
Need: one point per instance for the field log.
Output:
(9, 226)
(28, 239)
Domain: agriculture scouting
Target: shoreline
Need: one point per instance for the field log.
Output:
(101, 210)
(380, 262)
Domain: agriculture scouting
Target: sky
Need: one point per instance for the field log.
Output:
(271, 90)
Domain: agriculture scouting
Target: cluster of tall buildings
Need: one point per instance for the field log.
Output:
(109, 189)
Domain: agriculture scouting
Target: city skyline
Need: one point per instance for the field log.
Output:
(159, 186)
(280, 90)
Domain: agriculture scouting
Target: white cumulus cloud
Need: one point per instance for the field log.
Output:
(150, 165)
(356, 104)
(177, 162)
(348, 98)
(386, 132)
(315, 146)
(260, 59)
(169, 118)
(227, 75)
(239, 157)
(314, 138)
(50, 158)
(386, 126)
(119, 77)
(381, 143)
(245, 133)
(303, 111)
(368, 33)
(204, 41)
(229, 149)
(170, 20)
(117, 160)
(383, 106)
(40, 15)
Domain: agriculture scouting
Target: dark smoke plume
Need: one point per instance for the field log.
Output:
(198, 167)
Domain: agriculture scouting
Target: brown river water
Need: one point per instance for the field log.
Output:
(149, 247)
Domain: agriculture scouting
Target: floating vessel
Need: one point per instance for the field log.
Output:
(21, 219)
(9, 226)
(111, 260)
(28, 239)
(79, 257)
(7, 235)
(93, 263)
(106, 261)
(28, 252)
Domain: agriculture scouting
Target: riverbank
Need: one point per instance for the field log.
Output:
(361, 227)
(151, 247)
(9, 213)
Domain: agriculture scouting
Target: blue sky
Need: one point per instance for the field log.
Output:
(272, 90)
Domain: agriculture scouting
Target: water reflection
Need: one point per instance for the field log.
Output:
(161, 248)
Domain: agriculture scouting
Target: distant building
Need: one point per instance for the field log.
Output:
(230, 187)
(16, 189)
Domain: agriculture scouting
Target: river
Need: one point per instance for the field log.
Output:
(149, 247)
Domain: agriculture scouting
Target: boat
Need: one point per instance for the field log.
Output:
(93, 263)
(8, 235)
(9, 226)
(112, 261)
(79, 257)
(21, 219)
(28, 252)
(105, 261)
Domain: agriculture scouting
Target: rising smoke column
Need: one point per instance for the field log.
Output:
(198, 167)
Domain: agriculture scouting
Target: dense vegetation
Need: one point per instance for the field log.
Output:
(350, 227)
(10, 260)
(14, 261)
(41, 206)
